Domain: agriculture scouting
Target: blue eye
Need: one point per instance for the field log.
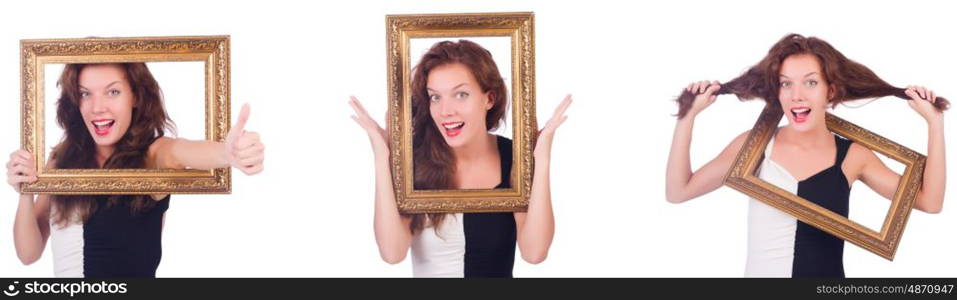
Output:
(462, 95)
(434, 98)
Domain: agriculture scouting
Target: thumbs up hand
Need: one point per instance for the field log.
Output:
(244, 150)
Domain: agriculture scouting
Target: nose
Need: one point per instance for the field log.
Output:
(98, 104)
(797, 95)
(446, 108)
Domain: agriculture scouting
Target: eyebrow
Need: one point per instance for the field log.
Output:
(453, 88)
(805, 75)
(108, 85)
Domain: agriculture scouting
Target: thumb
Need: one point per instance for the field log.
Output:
(241, 120)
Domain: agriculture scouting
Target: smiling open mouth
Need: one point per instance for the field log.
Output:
(102, 127)
(453, 129)
(800, 114)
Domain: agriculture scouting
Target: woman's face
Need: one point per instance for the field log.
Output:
(457, 104)
(106, 102)
(803, 92)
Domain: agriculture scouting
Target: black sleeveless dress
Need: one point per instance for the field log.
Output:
(114, 242)
(818, 253)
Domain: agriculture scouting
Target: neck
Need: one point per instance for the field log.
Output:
(102, 154)
(475, 150)
(813, 138)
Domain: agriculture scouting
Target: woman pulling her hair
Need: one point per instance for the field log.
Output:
(113, 118)
(803, 76)
(458, 96)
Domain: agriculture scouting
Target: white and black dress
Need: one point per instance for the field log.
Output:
(780, 245)
(114, 242)
(470, 244)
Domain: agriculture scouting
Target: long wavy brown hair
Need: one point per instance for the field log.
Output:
(849, 79)
(77, 150)
(432, 159)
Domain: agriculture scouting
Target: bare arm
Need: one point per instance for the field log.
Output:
(31, 229)
(242, 149)
(536, 227)
(884, 181)
(392, 233)
(931, 197)
(179, 153)
(31, 226)
(681, 184)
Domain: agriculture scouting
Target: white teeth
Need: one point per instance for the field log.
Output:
(102, 123)
(453, 125)
(800, 110)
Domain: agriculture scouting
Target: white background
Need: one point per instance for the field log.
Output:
(310, 213)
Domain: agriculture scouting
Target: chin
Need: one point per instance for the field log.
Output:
(101, 141)
(458, 142)
(807, 125)
(105, 141)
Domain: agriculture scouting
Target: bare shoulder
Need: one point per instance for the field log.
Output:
(739, 140)
(157, 154)
(737, 143)
(159, 145)
(859, 152)
(859, 156)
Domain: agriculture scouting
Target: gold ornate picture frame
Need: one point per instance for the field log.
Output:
(213, 51)
(518, 27)
(742, 177)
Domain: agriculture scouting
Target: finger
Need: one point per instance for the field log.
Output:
(910, 92)
(249, 152)
(25, 154)
(252, 160)
(357, 107)
(248, 139)
(933, 96)
(552, 126)
(560, 122)
(237, 152)
(711, 89)
(18, 179)
(21, 171)
(922, 92)
(560, 110)
(361, 122)
(705, 85)
(19, 161)
(697, 88)
(252, 170)
(241, 120)
(23, 158)
(252, 151)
